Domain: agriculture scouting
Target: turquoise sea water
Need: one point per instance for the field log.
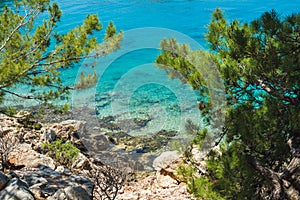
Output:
(130, 85)
(187, 17)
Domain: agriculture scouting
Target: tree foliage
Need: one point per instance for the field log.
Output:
(259, 63)
(33, 52)
(86, 81)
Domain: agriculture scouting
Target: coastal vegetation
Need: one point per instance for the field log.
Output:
(260, 142)
(33, 52)
(63, 153)
(258, 148)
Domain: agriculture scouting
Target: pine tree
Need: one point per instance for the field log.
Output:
(260, 143)
(32, 53)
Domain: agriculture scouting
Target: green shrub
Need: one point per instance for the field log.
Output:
(200, 187)
(63, 153)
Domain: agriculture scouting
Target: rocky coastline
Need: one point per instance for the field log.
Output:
(29, 172)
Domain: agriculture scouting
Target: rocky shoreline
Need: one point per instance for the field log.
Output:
(28, 172)
(109, 137)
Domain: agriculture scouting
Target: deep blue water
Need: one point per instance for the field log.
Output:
(189, 17)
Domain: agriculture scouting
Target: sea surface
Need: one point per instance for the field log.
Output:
(129, 82)
(130, 85)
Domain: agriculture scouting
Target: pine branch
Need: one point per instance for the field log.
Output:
(21, 24)
(17, 95)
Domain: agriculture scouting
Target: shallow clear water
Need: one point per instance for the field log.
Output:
(187, 17)
(130, 85)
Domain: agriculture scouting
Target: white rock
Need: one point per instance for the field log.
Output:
(165, 159)
(60, 169)
(166, 181)
(24, 155)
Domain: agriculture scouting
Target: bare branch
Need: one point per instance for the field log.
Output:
(18, 95)
(108, 181)
(271, 176)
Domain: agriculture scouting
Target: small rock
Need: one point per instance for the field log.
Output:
(63, 170)
(59, 195)
(197, 154)
(76, 193)
(37, 190)
(182, 188)
(82, 162)
(49, 136)
(76, 124)
(166, 181)
(60, 169)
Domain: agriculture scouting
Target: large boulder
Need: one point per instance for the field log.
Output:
(165, 160)
(76, 193)
(46, 181)
(16, 190)
(72, 192)
(23, 155)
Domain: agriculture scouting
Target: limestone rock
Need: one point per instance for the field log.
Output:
(76, 124)
(165, 159)
(60, 169)
(24, 155)
(82, 162)
(76, 193)
(150, 189)
(16, 190)
(59, 195)
(49, 135)
(165, 181)
(71, 192)
(49, 181)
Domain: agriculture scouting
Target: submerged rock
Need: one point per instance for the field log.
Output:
(142, 144)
